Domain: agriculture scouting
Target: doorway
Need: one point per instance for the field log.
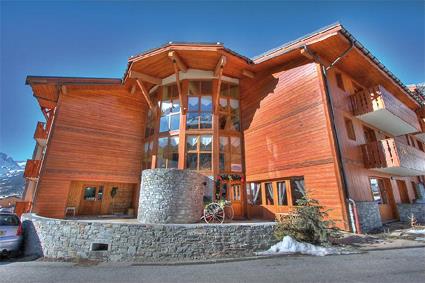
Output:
(91, 200)
(232, 191)
(383, 195)
(402, 189)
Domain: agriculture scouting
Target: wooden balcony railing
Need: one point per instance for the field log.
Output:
(395, 156)
(40, 131)
(32, 169)
(378, 98)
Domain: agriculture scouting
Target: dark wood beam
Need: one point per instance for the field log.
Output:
(177, 60)
(144, 77)
(145, 94)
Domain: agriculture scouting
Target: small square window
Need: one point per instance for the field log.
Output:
(350, 129)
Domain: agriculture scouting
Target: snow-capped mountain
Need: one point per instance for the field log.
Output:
(12, 180)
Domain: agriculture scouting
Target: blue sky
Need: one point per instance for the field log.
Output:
(96, 39)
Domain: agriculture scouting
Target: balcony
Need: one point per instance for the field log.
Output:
(421, 116)
(393, 157)
(32, 169)
(379, 108)
(40, 134)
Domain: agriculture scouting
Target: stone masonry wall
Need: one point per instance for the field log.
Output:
(171, 196)
(369, 216)
(135, 242)
(406, 210)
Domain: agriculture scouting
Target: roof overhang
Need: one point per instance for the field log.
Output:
(330, 43)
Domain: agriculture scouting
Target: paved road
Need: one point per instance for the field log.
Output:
(407, 265)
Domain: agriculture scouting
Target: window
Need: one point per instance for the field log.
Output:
(282, 196)
(90, 193)
(269, 193)
(369, 135)
(170, 109)
(350, 129)
(151, 119)
(199, 152)
(199, 115)
(100, 193)
(147, 155)
(339, 81)
(168, 152)
(287, 191)
(229, 107)
(297, 189)
(379, 193)
(253, 191)
(230, 158)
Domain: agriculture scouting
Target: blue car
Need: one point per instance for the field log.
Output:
(11, 234)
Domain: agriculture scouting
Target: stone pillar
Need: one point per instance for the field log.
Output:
(369, 216)
(171, 196)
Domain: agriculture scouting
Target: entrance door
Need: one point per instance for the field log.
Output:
(91, 200)
(402, 189)
(233, 193)
(382, 193)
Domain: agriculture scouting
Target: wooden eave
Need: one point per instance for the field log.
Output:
(328, 45)
(157, 63)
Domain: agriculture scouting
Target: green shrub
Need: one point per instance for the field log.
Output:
(308, 222)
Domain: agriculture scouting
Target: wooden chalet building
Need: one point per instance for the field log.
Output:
(320, 114)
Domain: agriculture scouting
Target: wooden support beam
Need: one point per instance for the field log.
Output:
(220, 65)
(133, 89)
(144, 77)
(248, 74)
(306, 54)
(179, 88)
(176, 60)
(64, 90)
(145, 94)
(217, 91)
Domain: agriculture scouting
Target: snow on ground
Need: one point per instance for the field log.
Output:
(289, 245)
(416, 231)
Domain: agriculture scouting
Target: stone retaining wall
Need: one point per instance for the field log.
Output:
(171, 196)
(406, 210)
(369, 216)
(132, 242)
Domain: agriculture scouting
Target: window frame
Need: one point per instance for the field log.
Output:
(288, 189)
(199, 111)
(229, 153)
(340, 81)
(349, 128)
(167, 151)
(198, 151)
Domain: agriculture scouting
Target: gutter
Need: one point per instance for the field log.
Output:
(331, 113)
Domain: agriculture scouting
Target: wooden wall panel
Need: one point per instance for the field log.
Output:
(286, 133)
(97, 136)
(356, 173)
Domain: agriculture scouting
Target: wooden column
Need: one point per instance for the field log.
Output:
(157, 116)
(215, 125)
(182, 133)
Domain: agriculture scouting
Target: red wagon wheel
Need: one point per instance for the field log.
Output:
(214, 213)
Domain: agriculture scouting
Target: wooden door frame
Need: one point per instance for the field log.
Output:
(97, 186)
(390, 194)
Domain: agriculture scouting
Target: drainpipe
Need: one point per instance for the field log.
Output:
(333, 126)
(355, 224)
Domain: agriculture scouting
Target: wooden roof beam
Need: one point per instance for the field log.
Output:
(220, 65)
(217, 94)
(176, 60)
(145, 94)
(144, 77)
(182, 96)
(248, 74)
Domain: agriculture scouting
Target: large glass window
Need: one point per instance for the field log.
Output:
(291, 188)
(147, 155)
(170, 109)
(229, 107)
(297, 189)
(230, 158)
(379, 192)
(253, 191)
(199, 115)
(199, 152)
(168, 152)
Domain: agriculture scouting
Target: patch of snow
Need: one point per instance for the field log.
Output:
(289, 245)
(420, 239)
(416, 231)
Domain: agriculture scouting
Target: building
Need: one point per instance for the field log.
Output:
(320, 113)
